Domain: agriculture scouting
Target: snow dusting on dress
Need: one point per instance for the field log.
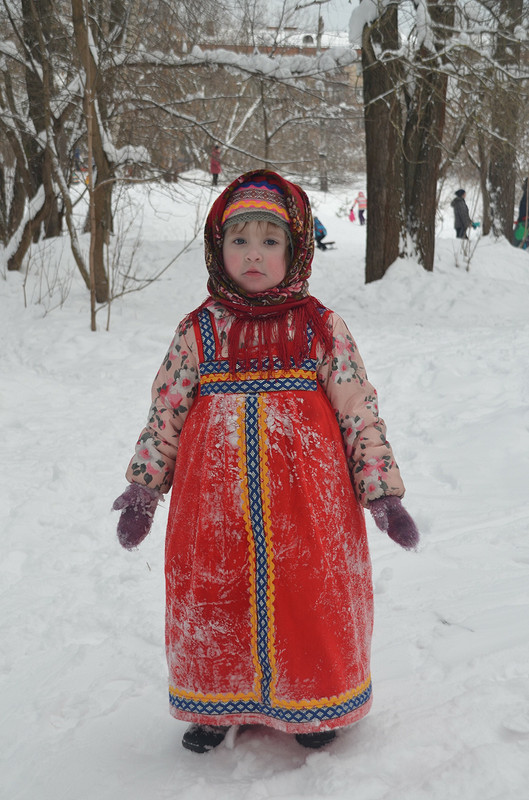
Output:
(268, 577)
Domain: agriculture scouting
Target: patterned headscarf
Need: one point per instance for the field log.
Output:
(294, 287)
(273, 323)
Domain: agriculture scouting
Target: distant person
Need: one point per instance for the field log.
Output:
(361, 202)
(462, 221)
(521, 229)
(522, 208)
(214, 165)
(77, 159)
(265, 425)
(320, 232)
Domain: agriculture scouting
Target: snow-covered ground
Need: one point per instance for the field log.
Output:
(83, 704)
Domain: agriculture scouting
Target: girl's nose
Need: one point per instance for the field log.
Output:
(253, 254)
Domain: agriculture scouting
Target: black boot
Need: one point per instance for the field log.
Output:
(315, 740)
(201, 738)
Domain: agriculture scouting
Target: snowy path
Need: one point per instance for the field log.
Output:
(82, 670)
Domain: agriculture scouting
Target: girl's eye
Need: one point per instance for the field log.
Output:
(238, 240)
(271, 241)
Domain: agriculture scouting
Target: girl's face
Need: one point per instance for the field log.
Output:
(255, 255)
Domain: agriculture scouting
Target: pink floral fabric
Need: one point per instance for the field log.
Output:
(372, 466)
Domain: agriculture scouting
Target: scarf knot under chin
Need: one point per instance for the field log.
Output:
(267, 332)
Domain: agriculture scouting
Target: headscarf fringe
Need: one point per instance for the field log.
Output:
(281, 336)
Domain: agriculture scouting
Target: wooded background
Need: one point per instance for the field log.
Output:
(144, 89)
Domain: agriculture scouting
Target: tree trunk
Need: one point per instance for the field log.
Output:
(103, 229)
(322, 156)
(53, 221)
(382, 120)
(35, 219)
(423, 135)
(505, 122)
(33, 169)
(403, 162)
(324, 180)
(102, 190)
(37, 30)
(486, 223)
(266, 136)
(422, 158)
(18, 202)
(3, 206)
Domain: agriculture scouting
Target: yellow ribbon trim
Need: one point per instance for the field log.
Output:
(324, 701)
(306, 374)
(267, 527)
(219, 698)
(295, 704)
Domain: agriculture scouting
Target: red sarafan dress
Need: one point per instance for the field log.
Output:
(268, 577)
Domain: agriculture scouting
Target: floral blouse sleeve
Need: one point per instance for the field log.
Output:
(173, 392)
(374, 471)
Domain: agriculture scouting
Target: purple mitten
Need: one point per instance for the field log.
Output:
(137, 505)
(392, 518)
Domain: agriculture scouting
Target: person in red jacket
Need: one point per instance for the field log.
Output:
(214, 165)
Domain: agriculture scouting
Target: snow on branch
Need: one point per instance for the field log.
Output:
(33, 206)
(279, 67)
(365, 14)
(423, 26)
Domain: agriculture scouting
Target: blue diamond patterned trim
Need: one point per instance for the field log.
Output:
(255, 386)
(253, 474)
(206, 331)
(223, 367)
(213, 708)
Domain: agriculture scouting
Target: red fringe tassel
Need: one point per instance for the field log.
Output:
(266, 332)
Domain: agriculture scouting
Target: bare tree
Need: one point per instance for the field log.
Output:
(384, 158)
(505, 118)
(404, 97)
(475, 52)
(131, 75)
(423, 130)
(488, 97)
(23, 121)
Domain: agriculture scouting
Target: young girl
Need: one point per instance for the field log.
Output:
(264, 423)
(361, 200)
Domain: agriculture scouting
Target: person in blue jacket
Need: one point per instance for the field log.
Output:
(320, 232)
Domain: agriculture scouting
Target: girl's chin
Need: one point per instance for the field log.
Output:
(255, 286)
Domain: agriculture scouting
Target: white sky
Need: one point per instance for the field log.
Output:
(336, 14)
